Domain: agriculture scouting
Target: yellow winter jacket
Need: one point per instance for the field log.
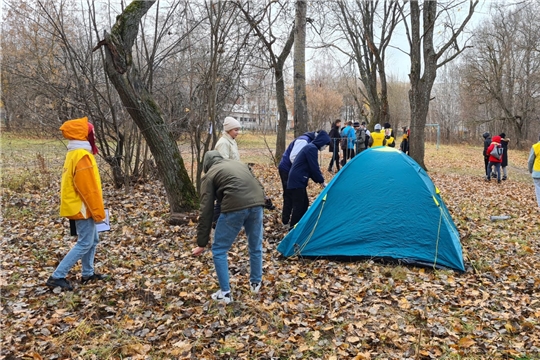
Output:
(80, 191)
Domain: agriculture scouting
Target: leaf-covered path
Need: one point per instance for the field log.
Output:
(157, 303)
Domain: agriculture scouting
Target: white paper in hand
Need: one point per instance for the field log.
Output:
(105, 224)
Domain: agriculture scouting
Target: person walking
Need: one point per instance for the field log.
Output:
(534, 168)
(284, 167)
(487, 142)
(504, 163)
(242, 199)
(334, 145)
(305, 167)
(494, 161)
(81, 200)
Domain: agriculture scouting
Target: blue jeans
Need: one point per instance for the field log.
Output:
(84, 249)
(227, 228)
(497, 169)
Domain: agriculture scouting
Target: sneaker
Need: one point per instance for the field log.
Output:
(255, 287)
(219, 296)
(86, 279)
(504, 178)
(62, 283)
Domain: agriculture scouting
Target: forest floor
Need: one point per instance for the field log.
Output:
(157, 303)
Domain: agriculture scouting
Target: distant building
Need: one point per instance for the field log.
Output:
(255, 117)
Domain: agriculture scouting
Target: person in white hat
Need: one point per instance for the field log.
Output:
(228, 148)
(226, 145)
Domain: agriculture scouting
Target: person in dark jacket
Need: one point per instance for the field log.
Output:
(335, 137)
(285, 166)
(305, 167)
(360, 137)
(504, 163)
(487, 142)
(242, 199)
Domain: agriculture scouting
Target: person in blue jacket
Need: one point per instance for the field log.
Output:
(305, 167)
(285, 166)
(349, 133)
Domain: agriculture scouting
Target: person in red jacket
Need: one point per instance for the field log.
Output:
(495, 159)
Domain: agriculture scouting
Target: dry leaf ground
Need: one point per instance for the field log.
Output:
(156, 306)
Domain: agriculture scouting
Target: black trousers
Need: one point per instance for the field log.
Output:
(287, 198)
(335, 157)
(300, 204)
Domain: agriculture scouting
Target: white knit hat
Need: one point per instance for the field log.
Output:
(230, 123)
(377, 126)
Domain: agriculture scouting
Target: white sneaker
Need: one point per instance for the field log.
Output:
(219, 296)
(255, 287)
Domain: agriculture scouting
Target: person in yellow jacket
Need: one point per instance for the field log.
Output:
(80, 200)
(533, 165)
(377, 137)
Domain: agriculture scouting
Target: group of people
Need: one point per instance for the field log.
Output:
(230, 186)
(496, 160)
(298, 164)
(355, 138)
(495, 156)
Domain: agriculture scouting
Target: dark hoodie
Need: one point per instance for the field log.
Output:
(285, 163)
(487, 142)
(232, 183)
(306, 165)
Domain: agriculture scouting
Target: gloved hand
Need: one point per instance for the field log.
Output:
(268, 203)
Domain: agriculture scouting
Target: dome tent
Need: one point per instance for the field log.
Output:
(381, 205)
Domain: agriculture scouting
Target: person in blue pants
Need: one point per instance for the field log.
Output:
(242, 199)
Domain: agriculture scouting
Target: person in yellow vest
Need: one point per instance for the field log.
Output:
(80, 200)
(534, 168)
(377, 137)
(389, 135)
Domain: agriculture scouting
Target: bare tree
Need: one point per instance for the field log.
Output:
(427, 56)
(300, 97)
(502, 70)
(143, 109)
(368, 27)
(218, 55)
(263, 21)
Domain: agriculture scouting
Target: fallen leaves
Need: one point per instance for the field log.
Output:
(157, 304)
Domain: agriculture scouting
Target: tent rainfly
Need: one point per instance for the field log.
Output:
(382, 205)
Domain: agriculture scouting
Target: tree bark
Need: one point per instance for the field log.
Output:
(300, 97)
(280, 97)
(143, 109)
(422, 52)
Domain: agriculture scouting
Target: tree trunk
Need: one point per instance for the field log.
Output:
(143, 109)
(423, 52)
(300, 98)
(280, 97)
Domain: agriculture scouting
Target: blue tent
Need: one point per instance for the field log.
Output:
(382, 205)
